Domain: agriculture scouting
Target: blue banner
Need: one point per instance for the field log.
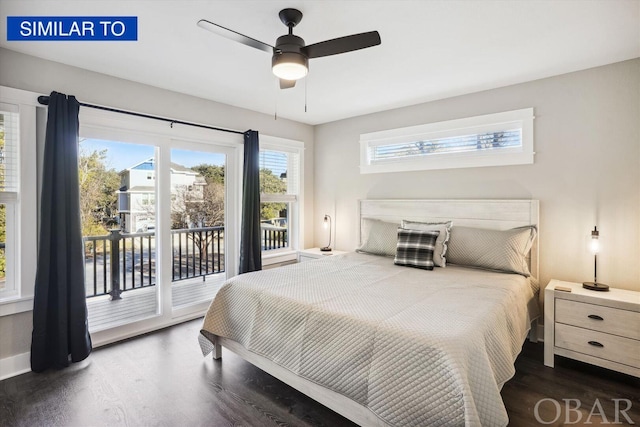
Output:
(72, 28)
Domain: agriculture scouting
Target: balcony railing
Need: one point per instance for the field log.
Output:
(274, 238)
(197, 252)
(120, 262)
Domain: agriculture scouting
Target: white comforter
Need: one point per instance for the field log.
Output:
(418, 348)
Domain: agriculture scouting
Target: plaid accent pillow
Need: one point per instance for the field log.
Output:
(415, 248)
(440, 251)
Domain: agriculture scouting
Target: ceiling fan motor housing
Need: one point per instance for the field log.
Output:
(288, 51)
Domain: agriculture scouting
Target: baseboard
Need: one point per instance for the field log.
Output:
(536, 333)
(15, 365)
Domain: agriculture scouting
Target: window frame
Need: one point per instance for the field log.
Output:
(495, 122)
(296, 202)
(24, 220)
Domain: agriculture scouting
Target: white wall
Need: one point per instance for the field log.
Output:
(29, 73)
(586, 170)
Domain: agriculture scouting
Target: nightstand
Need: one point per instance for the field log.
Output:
(601, 328)
(315, 253)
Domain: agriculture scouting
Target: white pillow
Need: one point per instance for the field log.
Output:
(379, 237)
(440, 250)
(502, 250)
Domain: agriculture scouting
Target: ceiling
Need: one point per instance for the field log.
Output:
(431, 49)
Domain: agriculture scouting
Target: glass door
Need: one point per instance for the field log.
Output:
(118, 216)
(198, 225)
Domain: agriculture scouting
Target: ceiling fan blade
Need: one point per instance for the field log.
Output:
(234, 35)
(343, 44)
(286, 84)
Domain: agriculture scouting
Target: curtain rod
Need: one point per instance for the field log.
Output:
(44, 100)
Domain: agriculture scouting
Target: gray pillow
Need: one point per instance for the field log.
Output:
(440, 249)
(502, 250)
(378, 237)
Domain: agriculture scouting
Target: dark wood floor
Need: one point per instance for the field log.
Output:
(161, 379)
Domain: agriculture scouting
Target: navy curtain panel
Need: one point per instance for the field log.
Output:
(60, 330)
(250, 245)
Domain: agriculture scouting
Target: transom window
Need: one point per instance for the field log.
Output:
(489, 140)
(456, 144)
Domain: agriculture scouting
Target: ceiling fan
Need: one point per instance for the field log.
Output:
(290, 60)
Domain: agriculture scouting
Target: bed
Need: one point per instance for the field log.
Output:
(384, 344)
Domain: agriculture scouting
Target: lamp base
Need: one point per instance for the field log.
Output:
(593, 286)
(325, 249)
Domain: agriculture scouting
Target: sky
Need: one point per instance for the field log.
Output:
(122, 155)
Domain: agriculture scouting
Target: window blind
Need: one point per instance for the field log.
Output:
(9, 124)
(496, 139)
(279, 174)
(474, 142)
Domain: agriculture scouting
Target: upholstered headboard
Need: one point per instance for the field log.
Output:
(494, 214)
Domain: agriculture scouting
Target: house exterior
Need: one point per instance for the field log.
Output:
(136, 196)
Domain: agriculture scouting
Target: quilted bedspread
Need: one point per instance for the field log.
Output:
(418, 348)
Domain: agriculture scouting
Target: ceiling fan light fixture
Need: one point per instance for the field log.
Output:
(290, 65)
(290, 54)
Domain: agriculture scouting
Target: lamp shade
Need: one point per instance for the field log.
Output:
(290, 65)
(594, 248)
(326, 223)
(594, 241)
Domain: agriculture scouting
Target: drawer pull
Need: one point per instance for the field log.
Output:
(595, 317)
(596, 344)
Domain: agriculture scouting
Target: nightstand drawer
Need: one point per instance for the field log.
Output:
(598, 318)
(598, 344)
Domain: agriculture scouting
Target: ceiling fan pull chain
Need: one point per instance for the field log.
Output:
(305, 95)
(275, 107)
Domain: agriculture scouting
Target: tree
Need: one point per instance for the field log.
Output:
(212, 210)
(211, 173)
(98, 187)
(201, 206)
(271, 184)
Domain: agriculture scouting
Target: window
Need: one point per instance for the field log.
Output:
(489, 140)
(18, 216)
(8, 197)
(279, 196)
